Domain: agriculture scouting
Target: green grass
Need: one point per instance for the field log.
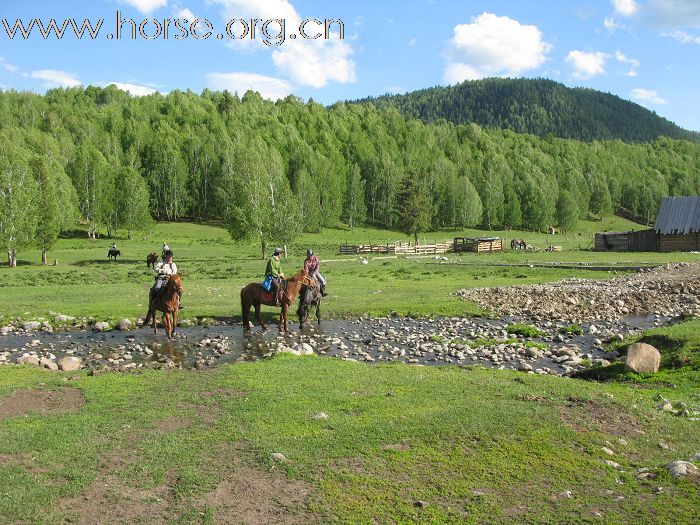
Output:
(572, 329)
(524, 329)
(477, 445)
(85, 284)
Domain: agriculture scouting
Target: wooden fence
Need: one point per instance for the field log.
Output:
(459, 244)
(631, 241)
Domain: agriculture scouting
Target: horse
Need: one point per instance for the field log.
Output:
(151, 260)
(309, 297)
(552, 230)
(113, 253)
(167, 302)
(518, 244)
(255, 295)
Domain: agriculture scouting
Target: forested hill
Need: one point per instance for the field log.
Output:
(270, 170)
(540, 107)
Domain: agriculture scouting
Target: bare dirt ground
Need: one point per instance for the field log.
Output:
(670, 290)
(43, 402)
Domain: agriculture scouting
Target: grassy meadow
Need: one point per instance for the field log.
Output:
(84, 283)
(400, 444)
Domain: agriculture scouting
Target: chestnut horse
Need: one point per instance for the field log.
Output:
(252, 295)
(167, 302)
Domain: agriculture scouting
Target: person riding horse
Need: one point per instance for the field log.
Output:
(273, 271)
(311, 265)
(164, 269)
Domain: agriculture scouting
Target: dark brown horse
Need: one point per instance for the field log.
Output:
(255, 295)
(518, 244)
(151, 260)
(167, 302)
(309, 297)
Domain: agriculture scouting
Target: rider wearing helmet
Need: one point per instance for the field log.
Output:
(164, 269)
(311, 265)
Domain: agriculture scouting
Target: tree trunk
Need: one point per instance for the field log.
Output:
(264, 250)
(44, 257)
(11, 258)
(128, 234)
(415, 235)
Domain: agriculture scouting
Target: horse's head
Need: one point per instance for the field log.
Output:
(176, 281)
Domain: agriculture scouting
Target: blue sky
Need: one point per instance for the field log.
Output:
(642, 50)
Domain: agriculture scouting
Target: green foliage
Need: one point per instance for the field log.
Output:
(524, 329)
(536, 106)
(350, 163)
(572, 329)
(567, 211)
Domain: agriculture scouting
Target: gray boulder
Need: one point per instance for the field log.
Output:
(62, 319)
(125, 324)
(642, 357)
(31, 325)
(28, 360)
(101, 326)
(69, 363)
(48, 363)
(681, 468)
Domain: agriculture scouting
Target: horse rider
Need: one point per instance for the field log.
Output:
(165, 249)
(274, 270)
(113, 248)
(311, 265)
(164, 269)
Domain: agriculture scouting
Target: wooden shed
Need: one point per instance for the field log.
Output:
(677, 229)
(678, 224)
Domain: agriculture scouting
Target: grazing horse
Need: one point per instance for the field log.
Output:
(167, 302)
(255, 295)
(552, 230)
(113, 254)
(518, 244)
(309, 297)
(151, 260)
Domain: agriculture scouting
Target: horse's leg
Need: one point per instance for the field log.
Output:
(257, 316)
(166, 322)
(155, 322)
(174, 321)
(318, 311)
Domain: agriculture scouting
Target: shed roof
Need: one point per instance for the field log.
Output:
(678, 215)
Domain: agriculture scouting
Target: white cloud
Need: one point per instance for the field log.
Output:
(146, 6)
(412, 42)
(611, 25)
(186, 14)
(315, 63)
(7, 66)
(587, 64)
(647, 95)
(312, 63)
(55, 79)
(268, 87)
(625, 7)
(494, 45)
(675, 13)
(632, 62)
(134, 89)
(683, 37)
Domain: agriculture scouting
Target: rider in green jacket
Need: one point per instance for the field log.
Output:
(274, 270)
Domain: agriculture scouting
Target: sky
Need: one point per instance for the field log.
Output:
(646, 51)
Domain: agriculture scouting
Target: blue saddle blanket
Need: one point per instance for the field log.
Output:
(267, 283)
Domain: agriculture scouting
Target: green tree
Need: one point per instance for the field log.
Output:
(415, 206)
(49, 218)
(567, 211)
(355, 209)
(18, 188)
(131, 196)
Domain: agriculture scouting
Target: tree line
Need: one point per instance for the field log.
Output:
(270, 170)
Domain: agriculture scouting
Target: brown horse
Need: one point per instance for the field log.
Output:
(252, 295)
(151, 260)
(167, 302)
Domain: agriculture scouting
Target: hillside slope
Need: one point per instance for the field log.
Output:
(539, 107)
